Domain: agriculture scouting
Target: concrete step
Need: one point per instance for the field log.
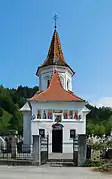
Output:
(61, 156)
(60, 159)
(61, 164)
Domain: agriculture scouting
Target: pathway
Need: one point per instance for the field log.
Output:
(46, 172)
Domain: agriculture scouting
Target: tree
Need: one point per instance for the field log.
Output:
(4, 121)
(11, 100)
(101, 118)
(100, 130)
(90, 128)
(1, 112)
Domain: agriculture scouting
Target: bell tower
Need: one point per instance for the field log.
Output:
(55, 62)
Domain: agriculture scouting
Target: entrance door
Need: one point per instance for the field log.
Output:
(57, 137)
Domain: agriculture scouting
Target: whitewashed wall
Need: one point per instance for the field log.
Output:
(79, 126)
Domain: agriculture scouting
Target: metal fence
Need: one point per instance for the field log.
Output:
(15, 156)
(20, 153)
(24, 153)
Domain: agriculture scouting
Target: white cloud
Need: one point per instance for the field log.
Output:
(98, 102)
(106, 101)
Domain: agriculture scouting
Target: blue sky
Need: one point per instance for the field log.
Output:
(85, 30)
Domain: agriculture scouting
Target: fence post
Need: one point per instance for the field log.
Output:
(36, 150)
(75, 150)
(82, 148)
(39, 150)
(47, 146)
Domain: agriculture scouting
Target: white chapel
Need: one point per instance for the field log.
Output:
(54, 110)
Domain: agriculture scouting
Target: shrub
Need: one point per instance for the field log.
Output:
(90, 163)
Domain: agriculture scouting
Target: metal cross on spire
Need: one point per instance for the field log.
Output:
(55, 20)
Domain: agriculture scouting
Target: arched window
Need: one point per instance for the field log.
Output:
(62, 81)
(68, 84)
(48, 82)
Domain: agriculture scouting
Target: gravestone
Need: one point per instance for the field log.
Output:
(95, 155)
(14, 146)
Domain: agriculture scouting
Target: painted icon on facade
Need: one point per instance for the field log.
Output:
(39, 114)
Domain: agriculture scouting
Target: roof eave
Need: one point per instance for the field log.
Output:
(37, 73)
(55, 100)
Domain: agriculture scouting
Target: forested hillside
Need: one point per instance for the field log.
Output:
(99, 121)
(11, 100)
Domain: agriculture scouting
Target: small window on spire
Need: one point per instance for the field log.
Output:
(62, 81)
(55, 60)
(68, 84)
(48, 82)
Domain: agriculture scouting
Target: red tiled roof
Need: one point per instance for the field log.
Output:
(55, 92)
(55, 55)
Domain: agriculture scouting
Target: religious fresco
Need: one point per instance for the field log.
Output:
(58, 118)
(70, 114)
(65, 114)
(76, 115)
(50, 115)
(39, 114)
(44, 116)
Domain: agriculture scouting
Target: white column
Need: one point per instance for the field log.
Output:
(27, 128)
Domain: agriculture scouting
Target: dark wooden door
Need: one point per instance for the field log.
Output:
(57, 140)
